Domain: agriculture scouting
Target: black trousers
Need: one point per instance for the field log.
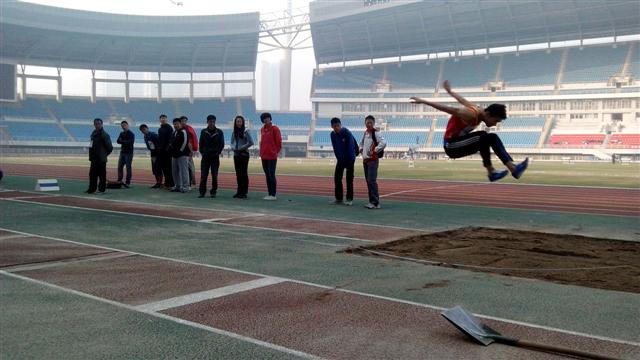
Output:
(269, 167)
(209, 163)
(164, 160)
(477, 141)
(98, 170)
(241, 164)
(337, 179)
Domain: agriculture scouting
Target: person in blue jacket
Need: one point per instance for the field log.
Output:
(345, 147)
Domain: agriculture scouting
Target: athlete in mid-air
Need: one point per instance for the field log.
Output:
(460, 141)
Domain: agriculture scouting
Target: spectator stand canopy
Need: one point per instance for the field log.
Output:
(363, 30)
(40, 35)
(50, 36)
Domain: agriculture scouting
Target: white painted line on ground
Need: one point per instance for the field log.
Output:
(50, 264)
(334, 288)
(7, 237)
(28, 197)
(430, 188)
(198, 221)
(209, 294)
(330, 178)
(167, 317)
(234, 211)
(213, 220)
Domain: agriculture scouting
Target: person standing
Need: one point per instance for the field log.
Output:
(193, 146)
(165, 133)
(270, 146)
(346, 149)
(211, 145)
(126, 140)
(99, 149)
(151, 140)
(180, 153)
(372, 145)
(241, 141)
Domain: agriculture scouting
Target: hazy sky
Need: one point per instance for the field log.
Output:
(303, 61)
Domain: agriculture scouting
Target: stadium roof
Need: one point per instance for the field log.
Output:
(358, 30)
(33, 34)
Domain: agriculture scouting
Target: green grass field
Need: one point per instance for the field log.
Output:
(544, 172)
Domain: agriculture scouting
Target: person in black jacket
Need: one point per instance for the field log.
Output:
(211, 145)
(126, 140)
(151, 140)
(99, 150)
(165, 133)
(180, 152)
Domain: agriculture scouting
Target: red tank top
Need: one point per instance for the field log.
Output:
(456, 127)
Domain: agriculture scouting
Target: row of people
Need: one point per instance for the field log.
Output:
(172, 150)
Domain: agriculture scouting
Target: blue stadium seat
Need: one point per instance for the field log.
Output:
(79, 109)
(594, 64)
(34, 131)
(531, 68)
(30, 108)
(471, 72)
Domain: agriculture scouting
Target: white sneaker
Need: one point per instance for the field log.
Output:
(269, 198)
(348, 203)
(371, 206)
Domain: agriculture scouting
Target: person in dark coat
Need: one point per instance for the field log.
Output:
(99, 150)
(165, 133)
(151, 140)
(211, 145)
(126, 140)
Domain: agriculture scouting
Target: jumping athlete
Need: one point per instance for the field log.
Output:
(460, 141)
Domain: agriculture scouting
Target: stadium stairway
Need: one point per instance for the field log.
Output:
(4, 135)
(563, 63)
(64, 129)
(546, 132)
(628, 59)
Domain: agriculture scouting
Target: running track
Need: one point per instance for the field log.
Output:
(591, 200)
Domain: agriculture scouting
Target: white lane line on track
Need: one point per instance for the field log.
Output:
(14, 236)
(49, 264)
(244, 214)
(198, 221)
(333, 288)
(167, 317)
(209, 294)
(430, 188)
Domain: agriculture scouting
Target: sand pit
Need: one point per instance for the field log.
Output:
(566, 259)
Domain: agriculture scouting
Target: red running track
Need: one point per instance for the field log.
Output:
(591, 200)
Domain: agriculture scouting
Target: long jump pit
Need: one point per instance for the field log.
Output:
(559, 258)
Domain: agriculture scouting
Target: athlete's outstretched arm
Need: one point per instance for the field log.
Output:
(461, 100)
(448, 109)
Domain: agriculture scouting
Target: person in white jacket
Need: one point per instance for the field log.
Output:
(372, 145)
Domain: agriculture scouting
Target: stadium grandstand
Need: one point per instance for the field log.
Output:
(568, 78)
(566, 93)
(194, 66)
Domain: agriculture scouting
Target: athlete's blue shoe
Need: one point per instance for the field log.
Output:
(497, 175)
(520, 168)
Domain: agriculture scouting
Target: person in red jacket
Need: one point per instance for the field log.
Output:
(193, 146)
(270, 146)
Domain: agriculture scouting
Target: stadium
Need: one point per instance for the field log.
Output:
(549, 258)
